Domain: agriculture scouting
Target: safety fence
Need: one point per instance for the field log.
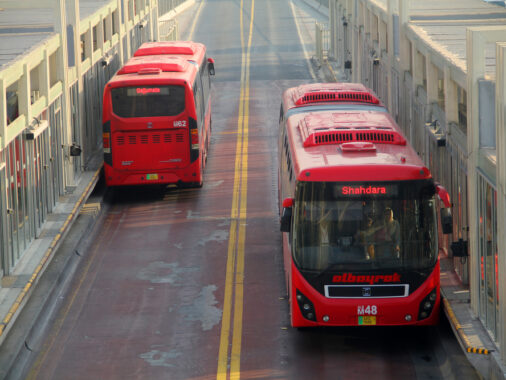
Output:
(168, 30)
(168, 27)
(165, 6)
(322, 41)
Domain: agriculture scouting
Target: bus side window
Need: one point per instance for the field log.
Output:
(206, 83)
(197, 94)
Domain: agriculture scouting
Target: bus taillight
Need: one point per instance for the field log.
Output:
(194, 138)
(106, 142)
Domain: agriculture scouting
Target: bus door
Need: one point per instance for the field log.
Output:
(149, 128)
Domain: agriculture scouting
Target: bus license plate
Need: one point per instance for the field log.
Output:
(151, 177)
(367, 320)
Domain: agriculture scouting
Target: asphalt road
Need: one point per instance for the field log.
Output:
(188, 283)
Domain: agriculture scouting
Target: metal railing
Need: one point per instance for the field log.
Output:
(168, 30)
(322, 37)
(165, 6)
(325, 3)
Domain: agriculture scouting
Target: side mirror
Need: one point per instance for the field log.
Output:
(446, 213)
(446, 221)
(443, 195)
(286, 216)
(210, 65)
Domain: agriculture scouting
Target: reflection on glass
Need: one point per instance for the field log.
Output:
(364, 225)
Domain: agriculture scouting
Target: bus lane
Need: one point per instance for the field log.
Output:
(147, 301)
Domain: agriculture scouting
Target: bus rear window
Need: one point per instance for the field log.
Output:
(148, 101)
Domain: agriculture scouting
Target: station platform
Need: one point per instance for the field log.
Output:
(35, 285)
(474, 339)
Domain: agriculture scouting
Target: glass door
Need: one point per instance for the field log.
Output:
(487, 233)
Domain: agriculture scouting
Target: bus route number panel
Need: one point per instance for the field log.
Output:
(367, 315)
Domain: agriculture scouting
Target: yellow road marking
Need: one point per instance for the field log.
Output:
(195, 19)
(235, 257)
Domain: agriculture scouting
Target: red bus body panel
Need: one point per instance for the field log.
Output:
(330, 163)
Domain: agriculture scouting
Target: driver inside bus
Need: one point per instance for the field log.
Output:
(389, 234)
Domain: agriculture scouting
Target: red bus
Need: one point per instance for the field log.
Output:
(358, 212)
(157, 116)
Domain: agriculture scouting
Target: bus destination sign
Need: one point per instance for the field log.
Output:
(357, 191)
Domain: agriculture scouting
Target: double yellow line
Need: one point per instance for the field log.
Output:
(231, 323)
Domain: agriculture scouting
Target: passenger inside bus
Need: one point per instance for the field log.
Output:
(388, 235)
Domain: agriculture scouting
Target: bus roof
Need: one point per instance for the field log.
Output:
(352, 145)
(158, 63)
(325, 93)
(189, 50)
(154, 70)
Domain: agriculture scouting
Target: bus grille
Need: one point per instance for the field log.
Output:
(329, 96)
(157, 138)
(319, 133)
(342, 136)
(367, 291)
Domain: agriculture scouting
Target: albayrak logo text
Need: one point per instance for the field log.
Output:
(368, 279)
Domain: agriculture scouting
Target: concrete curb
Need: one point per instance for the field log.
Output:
(459, 332)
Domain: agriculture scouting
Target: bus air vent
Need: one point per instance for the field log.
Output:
(335, 134)
(329, 96)
(333, 92)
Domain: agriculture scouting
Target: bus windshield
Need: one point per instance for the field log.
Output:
(148, 101)
(364, 226)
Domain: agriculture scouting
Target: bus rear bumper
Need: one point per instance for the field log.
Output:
(179, 176)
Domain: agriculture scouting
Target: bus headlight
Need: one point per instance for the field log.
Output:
(306, 306)
(427, 305)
